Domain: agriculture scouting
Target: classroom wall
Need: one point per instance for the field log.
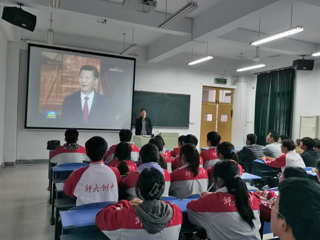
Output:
(306, 96)
(3, 70)
(31, 144)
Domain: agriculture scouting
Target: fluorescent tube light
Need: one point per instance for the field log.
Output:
(251, 67)
(129, 49)
(317, 54)
(54, 3)
(278, 36)
(200, 60)
(180, 14)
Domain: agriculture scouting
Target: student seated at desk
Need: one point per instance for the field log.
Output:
(97, 182)
(148, 218)
(190, 178)
(268, 198)
(317, 170)
(70, 152)
(176, 151)
(176, 163)
(273, 149)
(210, 156)
(122, 159)
(165, 157)
(149, 158)
(227, 152)
(125, 135)
(229, 213)
(309, 155)
(288, 158)
(295, 215)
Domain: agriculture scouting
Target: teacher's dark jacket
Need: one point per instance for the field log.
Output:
(139, 126)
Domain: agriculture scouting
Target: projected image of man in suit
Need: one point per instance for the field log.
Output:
(85, 107)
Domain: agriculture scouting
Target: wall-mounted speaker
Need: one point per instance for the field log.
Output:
(303, 64)
(20, 18)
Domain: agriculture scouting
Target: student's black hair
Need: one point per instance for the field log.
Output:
(298, 141)
(150, 184)
(284, 137)
(316, 139)
(214, 138)
(143, 109)
(71, 135)
(274, 135)
(149, 153)
(159, 143)
(123, 153)
(252, 138)
(191, 154)
(300, 206)
(297, 172)
(317, 143)
(289, 144)
(229, 172)
(228, 151)
(308, 142)
(181, 139)
(91, 68)
(191, 139)
(96, 148)
(125, 135)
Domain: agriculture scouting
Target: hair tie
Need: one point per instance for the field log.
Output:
(233, 151)
(236, 176)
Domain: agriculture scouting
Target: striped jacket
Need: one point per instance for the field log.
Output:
(95, 183)
(62, 155)
(110, 153)
(219, 216)
(120, 222)
(130, 181)
(183, 183)
(210, 157)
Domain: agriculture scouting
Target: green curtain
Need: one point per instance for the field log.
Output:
(274, 103)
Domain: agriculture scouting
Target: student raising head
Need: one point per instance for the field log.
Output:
(125, 135)
(122, 159)
(149, 158)
(144, 218)
(176, 151)
(97, 182)
(190, 178)
(229, 213)
(210, 156)
(295, 215)
(165, 158)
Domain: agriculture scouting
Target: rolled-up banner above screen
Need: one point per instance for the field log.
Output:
(76, 89)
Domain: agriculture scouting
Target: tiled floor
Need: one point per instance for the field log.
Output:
(24, 208)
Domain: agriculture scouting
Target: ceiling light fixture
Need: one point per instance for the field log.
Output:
(50, 33)
(54, 3)
(131, 48)
(316, 54)
(251, 67)
(207, 58)
(180, 14)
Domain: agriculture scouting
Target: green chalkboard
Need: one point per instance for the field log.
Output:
(164, 109)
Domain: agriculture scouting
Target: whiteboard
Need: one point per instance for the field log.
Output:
(309, 126)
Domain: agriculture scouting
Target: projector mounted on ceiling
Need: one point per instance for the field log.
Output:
(145, 6)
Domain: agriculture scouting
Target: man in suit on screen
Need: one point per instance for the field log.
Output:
(86, 107)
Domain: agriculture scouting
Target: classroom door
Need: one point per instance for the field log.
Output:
(217, 109)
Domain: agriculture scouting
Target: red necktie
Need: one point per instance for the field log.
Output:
(85, 110)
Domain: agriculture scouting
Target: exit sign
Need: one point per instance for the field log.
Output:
(220, 80)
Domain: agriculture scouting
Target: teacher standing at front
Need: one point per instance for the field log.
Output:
(143, 124)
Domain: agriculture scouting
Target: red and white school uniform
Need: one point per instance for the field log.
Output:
(290, 158)
(210, 157)
(219, 216)
(176, 163)
(268, 200)
(175, 152)
(210, 170)
(110, 153)
(62, 155)
(184, 184)
(120, 222)
(95, 183)
(167, 157)
(130, 181)
(131, 165)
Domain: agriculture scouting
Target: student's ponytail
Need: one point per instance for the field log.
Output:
(191, 154)
(162, 162)
(229, 172)
(123, 168)
(123, 153)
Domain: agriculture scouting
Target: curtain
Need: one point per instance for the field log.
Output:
(274, 103)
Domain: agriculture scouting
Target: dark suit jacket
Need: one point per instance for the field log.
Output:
(139, 126)
(310, 157)
(72, 115)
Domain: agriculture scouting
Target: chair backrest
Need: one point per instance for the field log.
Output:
(168, 198)
(91, 205)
